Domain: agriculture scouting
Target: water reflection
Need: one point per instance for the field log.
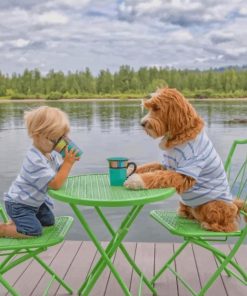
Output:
(123, 115)
(222, 112)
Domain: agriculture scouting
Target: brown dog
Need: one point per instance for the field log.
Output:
(191, 164)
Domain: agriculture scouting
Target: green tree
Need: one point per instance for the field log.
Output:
(104, 82)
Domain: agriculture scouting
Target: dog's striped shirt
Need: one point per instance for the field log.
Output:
(30, 186)
(198, 159)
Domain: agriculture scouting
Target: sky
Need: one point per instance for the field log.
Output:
(70, 35)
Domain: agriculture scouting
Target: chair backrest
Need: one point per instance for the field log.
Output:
(236, 169)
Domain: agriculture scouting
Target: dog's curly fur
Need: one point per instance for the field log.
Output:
(172, 117)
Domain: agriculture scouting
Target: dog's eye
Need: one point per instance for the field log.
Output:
(156, 108)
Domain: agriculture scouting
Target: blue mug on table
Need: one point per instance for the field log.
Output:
(118, 170)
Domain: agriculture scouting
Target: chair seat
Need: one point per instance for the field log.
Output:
(185, 227)
(52, 235)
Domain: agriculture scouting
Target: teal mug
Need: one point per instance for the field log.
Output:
(64, 142)
(118, 170)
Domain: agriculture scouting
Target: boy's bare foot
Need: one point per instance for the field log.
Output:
(9, 230)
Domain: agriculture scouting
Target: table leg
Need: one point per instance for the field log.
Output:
(122, 228)
(124, 251)
(108, 253)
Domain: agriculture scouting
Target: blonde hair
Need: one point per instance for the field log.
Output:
(48, 121)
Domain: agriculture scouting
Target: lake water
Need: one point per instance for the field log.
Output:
(111, 128)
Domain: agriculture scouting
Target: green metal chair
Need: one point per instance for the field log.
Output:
(16, 251)
(192, 233)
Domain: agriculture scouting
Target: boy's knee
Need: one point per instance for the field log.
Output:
(30, 230)
(45, 216)
(47, 220)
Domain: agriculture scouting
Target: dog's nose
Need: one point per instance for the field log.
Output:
(143, 123)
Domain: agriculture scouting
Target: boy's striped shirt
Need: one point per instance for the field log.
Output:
(31, 185)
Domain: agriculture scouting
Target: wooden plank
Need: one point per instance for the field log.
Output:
(79, 268)
(206, 266)
(241, 259)
(167, 281)
(73, 259)
(233, 286)
(35, 272)
(186, 266)
(124, 269)
(60, 264)
(145, 260)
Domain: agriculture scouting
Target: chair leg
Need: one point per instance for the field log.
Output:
(30, 254)
(10, 289)
(222, 257)
(220, 260)
(225, 262)
(53, 274)
(159, 273)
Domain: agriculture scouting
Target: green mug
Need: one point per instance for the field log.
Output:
(118, 170)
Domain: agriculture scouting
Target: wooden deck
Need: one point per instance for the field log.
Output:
(73, 259)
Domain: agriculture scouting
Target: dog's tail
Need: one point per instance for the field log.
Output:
(241, 205)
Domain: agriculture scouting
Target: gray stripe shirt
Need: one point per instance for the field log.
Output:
(31, 185)
(198, 159)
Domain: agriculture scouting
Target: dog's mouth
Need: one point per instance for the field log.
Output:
(150, 131)
(153, 127)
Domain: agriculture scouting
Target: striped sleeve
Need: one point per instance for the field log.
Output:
(57, 159)
(188, 163)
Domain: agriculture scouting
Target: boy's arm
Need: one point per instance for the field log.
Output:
(64, 170)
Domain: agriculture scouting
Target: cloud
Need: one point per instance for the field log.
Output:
(75, 34)
(73, 3)
(23, 4)
(20, 43)
(52, 17)
(22, 60)
(221, 37)
(178, 12)
(179, 36)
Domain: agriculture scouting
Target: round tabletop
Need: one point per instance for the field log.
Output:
(95, 190)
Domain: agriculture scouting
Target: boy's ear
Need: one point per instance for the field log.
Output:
(35, 137)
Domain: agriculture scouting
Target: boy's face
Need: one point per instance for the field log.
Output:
(44, 143)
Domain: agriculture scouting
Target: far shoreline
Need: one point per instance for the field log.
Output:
(109, 99)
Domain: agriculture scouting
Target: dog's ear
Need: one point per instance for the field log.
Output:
(176, 119)
(181, 116)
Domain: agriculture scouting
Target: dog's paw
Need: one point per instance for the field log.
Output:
(205, 225)
(134, 182)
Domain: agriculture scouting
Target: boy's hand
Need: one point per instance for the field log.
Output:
(70, 156)
(61, 176)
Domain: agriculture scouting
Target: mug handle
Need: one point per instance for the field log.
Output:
(134, 168)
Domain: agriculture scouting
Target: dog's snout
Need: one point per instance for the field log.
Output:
(143, 123)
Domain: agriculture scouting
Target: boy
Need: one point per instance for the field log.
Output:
(27, 202)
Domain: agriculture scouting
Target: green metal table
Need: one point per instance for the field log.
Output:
(95, 191)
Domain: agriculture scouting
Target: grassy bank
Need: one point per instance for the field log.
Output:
(53, 96)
